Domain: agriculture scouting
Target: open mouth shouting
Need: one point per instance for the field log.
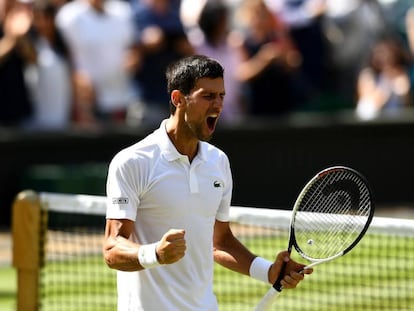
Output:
(211, 122)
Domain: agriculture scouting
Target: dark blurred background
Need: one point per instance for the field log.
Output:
(271, 161)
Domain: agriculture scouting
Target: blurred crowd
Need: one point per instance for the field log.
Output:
(98, 63)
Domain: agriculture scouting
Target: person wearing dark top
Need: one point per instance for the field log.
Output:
(15, 52)
(162, 40)
(269, 61)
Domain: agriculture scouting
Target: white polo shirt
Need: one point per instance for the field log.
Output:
(155, 186)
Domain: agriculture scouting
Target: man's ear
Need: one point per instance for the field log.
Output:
(177, 98)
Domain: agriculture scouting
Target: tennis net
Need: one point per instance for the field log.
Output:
(377, 275)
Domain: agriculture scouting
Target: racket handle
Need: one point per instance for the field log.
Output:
(277, 285)
(267, 301)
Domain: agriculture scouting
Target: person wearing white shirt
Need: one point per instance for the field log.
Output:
(50, 78)
(100, 36)
(168, 205)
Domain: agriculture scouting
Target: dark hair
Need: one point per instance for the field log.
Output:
(49, 10)
(183, 74)
(212, 16)
(399, 55)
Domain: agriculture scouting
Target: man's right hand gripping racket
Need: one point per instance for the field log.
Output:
(330, 216)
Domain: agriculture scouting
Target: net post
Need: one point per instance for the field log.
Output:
(26, 231)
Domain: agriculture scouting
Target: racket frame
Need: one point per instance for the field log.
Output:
(274, 291)
(292, 237)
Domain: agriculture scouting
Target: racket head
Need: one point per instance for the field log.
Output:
(331, 214)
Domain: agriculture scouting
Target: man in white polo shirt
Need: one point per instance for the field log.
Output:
(168, 205)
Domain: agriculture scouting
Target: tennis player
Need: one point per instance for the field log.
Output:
(168, 205)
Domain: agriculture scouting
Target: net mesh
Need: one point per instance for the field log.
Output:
(74, 275)
(377, 275)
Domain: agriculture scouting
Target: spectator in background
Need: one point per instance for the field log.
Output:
(218, 42)
(100, 37)
(162, 40)
(16, 51)
(384, 85)
(304, 20)
(50, 79)
(351, 28)
(269, 61)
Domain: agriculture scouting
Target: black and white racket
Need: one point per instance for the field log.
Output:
(330, 216)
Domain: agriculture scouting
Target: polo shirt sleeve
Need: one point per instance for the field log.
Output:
(223, 213)
(121, 189)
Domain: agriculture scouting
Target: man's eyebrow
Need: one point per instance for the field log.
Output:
(213, 92)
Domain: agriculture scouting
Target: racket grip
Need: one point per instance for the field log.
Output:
(267, 301)
(277, 285)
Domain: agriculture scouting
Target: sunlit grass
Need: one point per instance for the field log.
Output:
(8, 288)
(374, 276)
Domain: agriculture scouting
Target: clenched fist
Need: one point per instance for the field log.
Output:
(171, 247)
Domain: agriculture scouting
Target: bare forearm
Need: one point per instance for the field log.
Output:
(250, 69)
(234, 256)
(121, 254)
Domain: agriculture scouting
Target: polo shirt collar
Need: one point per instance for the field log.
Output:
(170, 152)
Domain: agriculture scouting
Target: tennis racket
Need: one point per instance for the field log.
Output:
(329, 218)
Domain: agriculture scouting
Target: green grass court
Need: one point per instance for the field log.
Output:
(7, 288)
(374, 276)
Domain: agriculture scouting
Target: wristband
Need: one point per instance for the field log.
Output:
(259, 269)
(147, 256)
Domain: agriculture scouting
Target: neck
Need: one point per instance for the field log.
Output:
(97, 5)
(184, 142)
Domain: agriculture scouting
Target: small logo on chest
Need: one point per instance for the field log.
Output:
(217, 184)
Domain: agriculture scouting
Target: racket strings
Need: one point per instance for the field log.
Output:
(332, 214)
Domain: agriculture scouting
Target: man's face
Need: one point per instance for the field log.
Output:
(203, 107)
